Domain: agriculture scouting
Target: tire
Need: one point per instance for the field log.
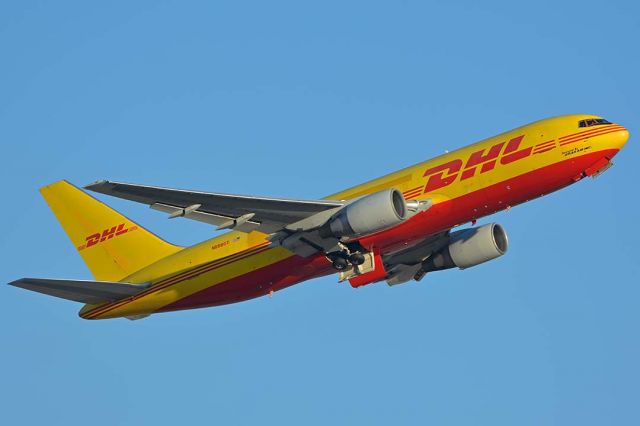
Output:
(357, 259)
(340, 264)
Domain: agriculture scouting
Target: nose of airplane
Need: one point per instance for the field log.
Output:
(620, 137)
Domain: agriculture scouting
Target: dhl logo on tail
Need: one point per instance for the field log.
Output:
(107, 234)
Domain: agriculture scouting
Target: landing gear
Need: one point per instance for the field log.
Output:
(343, 259)
(340, 263)
(356, 259)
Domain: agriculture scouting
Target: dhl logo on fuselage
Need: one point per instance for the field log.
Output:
(484, 159)
(107, 234)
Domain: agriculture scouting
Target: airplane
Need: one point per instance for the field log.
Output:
(396, 228)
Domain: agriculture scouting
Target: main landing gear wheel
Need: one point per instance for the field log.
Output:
(340, 263)
(356, 259)
(343, 259)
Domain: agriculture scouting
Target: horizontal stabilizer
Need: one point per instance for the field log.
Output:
(91, 292)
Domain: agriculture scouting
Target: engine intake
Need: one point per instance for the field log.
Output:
(470, 247)
(367, 215)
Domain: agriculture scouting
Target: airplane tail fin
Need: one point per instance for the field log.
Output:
(111, 245)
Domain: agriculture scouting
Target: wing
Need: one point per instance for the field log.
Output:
(79, 290)
(241, 212)
(406, 265)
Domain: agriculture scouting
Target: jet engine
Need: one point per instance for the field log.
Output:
(367, 215)
(469, 247)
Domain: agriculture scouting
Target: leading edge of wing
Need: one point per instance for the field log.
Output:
(127, 191)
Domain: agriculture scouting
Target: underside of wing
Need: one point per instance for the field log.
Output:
(241, 212)
(405, 265)
(79, 290)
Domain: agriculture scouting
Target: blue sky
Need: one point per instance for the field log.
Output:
(302, 100)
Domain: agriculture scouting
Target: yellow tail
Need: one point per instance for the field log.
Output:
(112, 246)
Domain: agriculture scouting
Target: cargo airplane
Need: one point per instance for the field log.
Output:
(397, 228)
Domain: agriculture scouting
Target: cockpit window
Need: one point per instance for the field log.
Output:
(593, 122)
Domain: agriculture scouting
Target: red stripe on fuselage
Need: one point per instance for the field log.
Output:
(616, 126)
(592, 133)
(544, 145)
(256, 283)
(409, 192)
(414, 193)
(175, 279)
(540, 151)
(582, 138)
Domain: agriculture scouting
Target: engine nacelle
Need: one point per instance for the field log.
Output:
(367, 215)
(470, 247)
